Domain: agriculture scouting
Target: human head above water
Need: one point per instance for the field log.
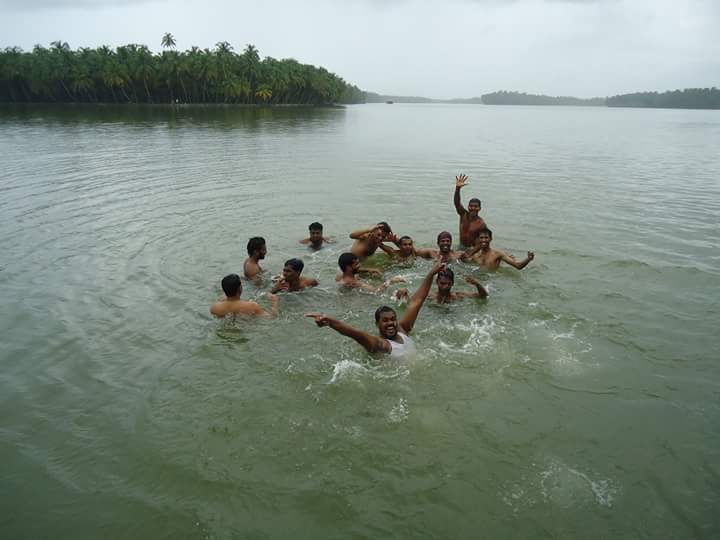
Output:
(405, 243)
(444, 241)
(485, 232)
(386, 322)
(384, 227)
(445, 280)
(315, 226)
(231, 285)
(474, 205)
(345, 260)
(256, 245)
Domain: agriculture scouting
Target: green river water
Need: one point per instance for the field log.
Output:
(582, 400)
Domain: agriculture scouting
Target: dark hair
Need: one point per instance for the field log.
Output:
(406, 237)
(446, 273)
(231, 284)
(444, 233)
(474, 199)
(295, 264)
(383, 309)
(315, 226)
(255, 244)
(345, 260)
(384, 226)
(485, 231)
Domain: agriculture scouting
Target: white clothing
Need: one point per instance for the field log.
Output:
(404, 349)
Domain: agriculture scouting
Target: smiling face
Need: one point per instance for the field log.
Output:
(387, 324)
(483, 240)
(444, 244)
(474, 208)
(378, 235)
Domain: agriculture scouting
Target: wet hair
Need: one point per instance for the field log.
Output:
(485, 231)
(255, 244)
(382, 309)
(385, 227)
(231, 285)
(295, 264)
(315, 226)
(475, 200)
(404, 238)
(345, 260)
(446, 273)
(443, 234)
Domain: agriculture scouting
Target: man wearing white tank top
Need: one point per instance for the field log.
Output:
(394, 338)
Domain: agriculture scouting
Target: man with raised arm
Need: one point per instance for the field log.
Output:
(232, 305)
(444, 252)
(350, 266)
(444, 295)
(316, 238)
(291, 280)
(406, 252)
(489, 258)
(394, 338)
(257, 249)
(367, 241)
(470, 221)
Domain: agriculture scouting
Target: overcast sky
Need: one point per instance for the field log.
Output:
(433, 48)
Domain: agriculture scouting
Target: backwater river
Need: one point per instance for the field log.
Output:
(581, 400)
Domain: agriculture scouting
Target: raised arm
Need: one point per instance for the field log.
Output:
(519, 265)
(460, 182)
(387, 249)
(371, 344)
(408, 319)
(304, 241)
(481, 291)
(426, 253)
(362, 233)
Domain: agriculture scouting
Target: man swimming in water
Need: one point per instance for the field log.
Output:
(394, 338)
(489, 258)
(350, 266)
(232, 305)
(444, 295)
(316, 238)
(367, 241)
(257, 249)
(291, 280)
(405, 253)
(470, 221)
(444, 252)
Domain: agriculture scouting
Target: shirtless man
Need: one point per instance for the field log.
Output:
(444, 295)
(470, 222)
(291, 280)
(257, 250)
(405, 253)
(489, 258)
(444, 253)
(367, 241)
(350, 266)
(232, 305)
(394, 338)
(316, 238)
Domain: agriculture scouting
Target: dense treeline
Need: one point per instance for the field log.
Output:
(134, 74)
(517, 98)
(690, 98)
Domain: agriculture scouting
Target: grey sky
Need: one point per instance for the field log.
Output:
(454, 48)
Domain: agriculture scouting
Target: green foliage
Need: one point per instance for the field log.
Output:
(134, 74)
(690, 98)
(517, 98)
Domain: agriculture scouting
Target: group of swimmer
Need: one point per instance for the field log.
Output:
(393, 337)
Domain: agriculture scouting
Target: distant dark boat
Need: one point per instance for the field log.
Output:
(389, 102)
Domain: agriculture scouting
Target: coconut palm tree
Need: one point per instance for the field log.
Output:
(168, 41)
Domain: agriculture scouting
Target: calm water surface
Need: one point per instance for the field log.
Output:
(580, 400)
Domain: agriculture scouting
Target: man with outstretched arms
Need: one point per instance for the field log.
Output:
(291, 280)
(257, 249)
(367, 241)
(232, 305)
(394, 338)
(444, 295)
(489, 258)
(470, 221)
(405, 252)
(316, 238)
(444, 252)
(350, 267)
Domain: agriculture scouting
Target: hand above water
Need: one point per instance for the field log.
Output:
(461, 181)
